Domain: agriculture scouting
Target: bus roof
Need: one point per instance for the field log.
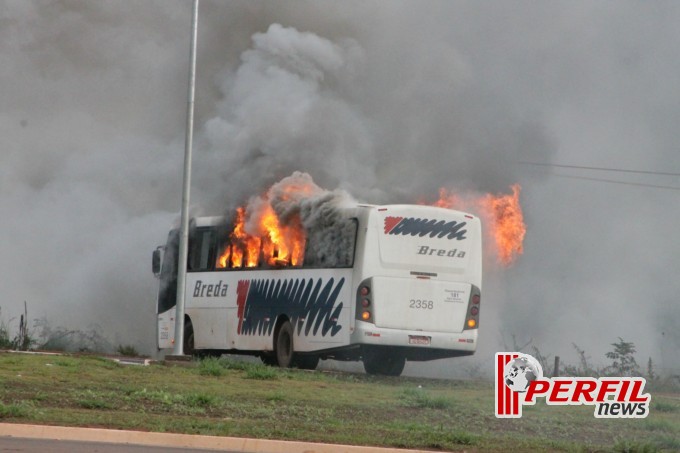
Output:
(211, 221)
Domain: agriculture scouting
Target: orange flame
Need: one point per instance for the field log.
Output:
(223, 259)
(503, 216)
(242, 245)
(282, 245)
(275, 242)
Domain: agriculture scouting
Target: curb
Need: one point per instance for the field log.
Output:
(243, 445)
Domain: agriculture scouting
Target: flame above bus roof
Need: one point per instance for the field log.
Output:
(272, 227)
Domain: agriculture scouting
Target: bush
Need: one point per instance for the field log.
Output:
(211, 366)
(263, 372)
(63, 339)
(13, 410)
(22, 341)
(127, 351)
(623, 361)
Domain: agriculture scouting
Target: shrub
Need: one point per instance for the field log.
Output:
(127, 351)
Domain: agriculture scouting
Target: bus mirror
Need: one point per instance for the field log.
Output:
(156, 262)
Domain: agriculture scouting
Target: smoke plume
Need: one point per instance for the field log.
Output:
(330, 232)
(388, 102)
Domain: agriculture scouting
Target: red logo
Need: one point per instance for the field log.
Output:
(391, 222)
(433, 228)
(520, 381)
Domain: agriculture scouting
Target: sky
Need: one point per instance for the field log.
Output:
(388, 101)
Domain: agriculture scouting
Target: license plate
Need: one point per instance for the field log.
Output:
(416, 339)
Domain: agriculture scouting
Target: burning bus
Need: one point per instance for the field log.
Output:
(304, 274)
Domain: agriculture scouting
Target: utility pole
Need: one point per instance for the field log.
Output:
(186, 188)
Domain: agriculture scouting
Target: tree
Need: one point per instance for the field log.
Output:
(623, 362)
(651, 375)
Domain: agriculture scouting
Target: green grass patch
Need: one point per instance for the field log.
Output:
(67, 362)
(420, 398)
(665, 405)
(262, 372)
(226, 397)
(18, 410)
(628, 446)
(660, 424)
(204, 400)
(211, 367)
(94, 404)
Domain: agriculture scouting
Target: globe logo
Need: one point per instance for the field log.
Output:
(521, 371)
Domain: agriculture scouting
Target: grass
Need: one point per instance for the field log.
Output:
(666, 406)
(127, 351)
(417, 397)
(230, 398)
(13, 410)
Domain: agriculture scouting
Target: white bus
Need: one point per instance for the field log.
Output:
(398, 283)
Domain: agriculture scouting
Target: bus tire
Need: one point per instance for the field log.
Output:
(188, 341)
(283, 345)
(306, 362)
(384, 364)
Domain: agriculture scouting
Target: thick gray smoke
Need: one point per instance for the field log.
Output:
(330, 230)
(282, 112)
(387, 101)
(306, 213)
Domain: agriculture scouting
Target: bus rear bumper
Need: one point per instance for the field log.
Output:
(463, 343)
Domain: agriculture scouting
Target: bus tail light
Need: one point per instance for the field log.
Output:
(472, 318)
(364, 300)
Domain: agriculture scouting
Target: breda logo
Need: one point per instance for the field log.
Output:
(520, 381)
(425, 227)
(210, 290)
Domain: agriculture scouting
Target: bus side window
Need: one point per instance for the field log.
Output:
(167, 296)
(224, 251)
(201, 249)
(352, 241)
(234, 255)
(332, 245)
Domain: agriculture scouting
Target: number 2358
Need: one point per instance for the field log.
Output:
(422, 304)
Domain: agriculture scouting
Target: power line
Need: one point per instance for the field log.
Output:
(581, 167)
(613, 181)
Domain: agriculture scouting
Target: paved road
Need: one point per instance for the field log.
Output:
(19, 445)
(61, 439)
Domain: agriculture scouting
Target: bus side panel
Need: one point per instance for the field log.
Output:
(326, 323)
(240, 309)
(207, 304)
(315, 301)
(166, 329)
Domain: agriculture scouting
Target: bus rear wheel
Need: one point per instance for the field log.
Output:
(283, 345)
(384, 364)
